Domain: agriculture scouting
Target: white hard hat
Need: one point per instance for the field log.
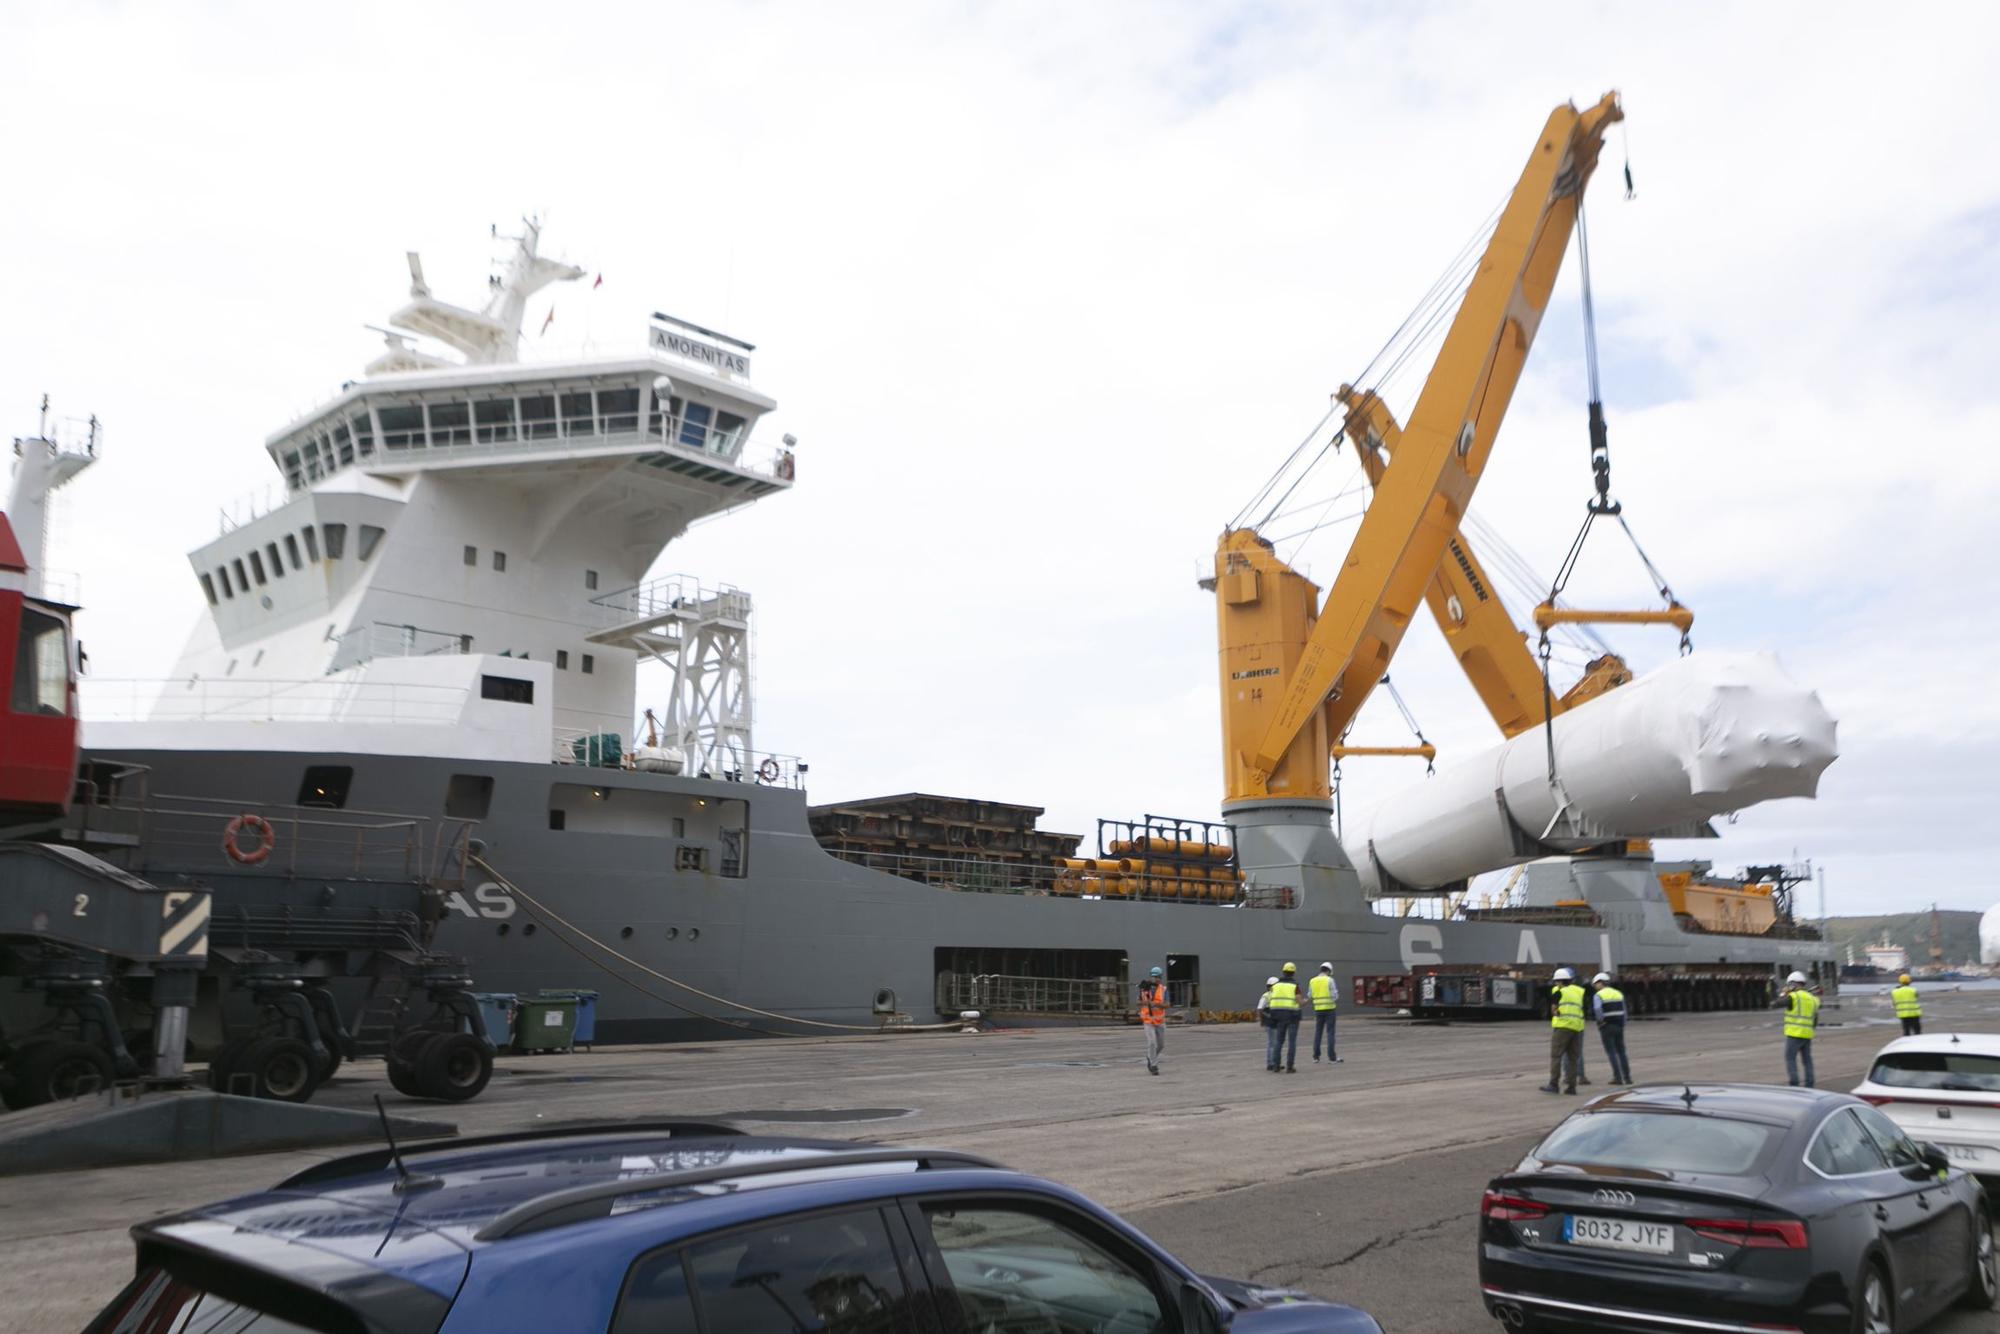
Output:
(1796, 977)
(1602, 977)
(1270, 981)
(1565, 975)
(1326, 968)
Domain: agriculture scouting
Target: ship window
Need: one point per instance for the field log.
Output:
(325, 785)
(292, 549)
(402, 427)
(495, 417)
(620, 408)
(590, 580)
(576, 414)
(295, 472)
(558, 819)
(468, 796)
(208, 588)
(500, 562)
(271, 554)
(242, 579)
(343, 443)
(312, 542)
(589, 664)
(257, 568)
(364, 434)
(451, 424)
(336, 540)
(562, 659)
(222, 577)
(472, 555)
(507, 689)
(653, 424)
(41, 666)
(371, 537)
(694, 424)
(728, 432)
(313, 471)
(538, 417)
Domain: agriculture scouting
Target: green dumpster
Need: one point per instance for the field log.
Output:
(545, 1023)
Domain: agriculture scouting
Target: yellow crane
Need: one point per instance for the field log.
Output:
(1295, 672)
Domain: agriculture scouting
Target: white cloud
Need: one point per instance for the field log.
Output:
(1046, 289)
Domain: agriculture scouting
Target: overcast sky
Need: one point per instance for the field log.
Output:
(1047, 290)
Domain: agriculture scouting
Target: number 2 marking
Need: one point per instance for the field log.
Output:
(82, 906)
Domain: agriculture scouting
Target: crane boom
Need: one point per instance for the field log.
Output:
(1420, 501)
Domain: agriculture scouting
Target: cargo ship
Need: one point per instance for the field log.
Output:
(441, 615)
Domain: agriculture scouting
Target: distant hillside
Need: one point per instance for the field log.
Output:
(1958, 933)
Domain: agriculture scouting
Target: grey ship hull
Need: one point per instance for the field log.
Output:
(802, 933)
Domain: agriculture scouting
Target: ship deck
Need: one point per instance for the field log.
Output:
(1377, 1163)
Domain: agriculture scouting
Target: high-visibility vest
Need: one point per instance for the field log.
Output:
(1610, 1005)
(1152, 1003)
(1907, 1005)
(1801, 1014)
(1285, 996)
(1321, 988)
(1568, 1007)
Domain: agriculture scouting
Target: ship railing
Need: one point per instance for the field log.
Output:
(212, 699)
(673, 597)
(601, 748)
(1004, 993)
(193, 835)
(990, 875)
(380, 639)
(249, 507)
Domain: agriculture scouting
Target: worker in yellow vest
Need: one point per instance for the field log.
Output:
(1325, 995)
(1284, 1009)
(1801, 1023)
(1908, 1008)
(1565, 1032)
(1607, 1004)
(1153, 1017)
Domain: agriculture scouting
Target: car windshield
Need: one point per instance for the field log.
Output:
(1660, 1141)
(1937, 1070)
(157, 1301)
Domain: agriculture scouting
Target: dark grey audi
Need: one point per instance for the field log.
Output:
(1733, 1207)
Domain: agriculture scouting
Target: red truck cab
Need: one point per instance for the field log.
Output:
(38, 718)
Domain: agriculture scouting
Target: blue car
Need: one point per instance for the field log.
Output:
(677, 1228)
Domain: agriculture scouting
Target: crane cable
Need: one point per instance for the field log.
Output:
(542, 911)
(1409, 720)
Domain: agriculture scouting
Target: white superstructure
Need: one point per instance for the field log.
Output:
(462, 542)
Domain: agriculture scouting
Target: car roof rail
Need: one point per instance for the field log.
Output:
(524, 1217)
(378, 1160)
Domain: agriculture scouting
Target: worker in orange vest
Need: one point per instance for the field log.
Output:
(1153, 1018)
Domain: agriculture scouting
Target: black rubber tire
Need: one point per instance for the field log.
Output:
(331, 1042)
(1985, 1285)
(58, 1070)
(404, 1054)
(1873, 1269)
(226, 1062)
(281, 1069)
(454, 1068)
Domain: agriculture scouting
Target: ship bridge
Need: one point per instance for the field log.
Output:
(485, 505)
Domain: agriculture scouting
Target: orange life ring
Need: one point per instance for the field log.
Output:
(267, 838)
(768, 771)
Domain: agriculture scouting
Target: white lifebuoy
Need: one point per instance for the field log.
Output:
(267, 838)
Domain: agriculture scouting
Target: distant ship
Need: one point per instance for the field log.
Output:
(442, 614)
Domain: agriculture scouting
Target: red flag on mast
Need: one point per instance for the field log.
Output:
(599, 283)
(550, 320)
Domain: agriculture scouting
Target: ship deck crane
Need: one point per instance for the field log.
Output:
(1295, 672)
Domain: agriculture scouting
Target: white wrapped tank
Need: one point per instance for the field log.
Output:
(1700, 737)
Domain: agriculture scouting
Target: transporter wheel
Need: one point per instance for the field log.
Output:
(1984, 1285)
(280, 1069)
(454, 1068)
(331, 1041)
(225, 1062)
(58, 1070)
(404, 1054)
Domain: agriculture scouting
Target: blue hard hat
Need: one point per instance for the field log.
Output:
(1156, 973)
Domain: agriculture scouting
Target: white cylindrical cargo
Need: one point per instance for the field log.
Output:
(1705, 735)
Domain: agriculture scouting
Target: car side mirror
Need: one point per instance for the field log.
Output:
(1200, 1313)
(1935, 1162)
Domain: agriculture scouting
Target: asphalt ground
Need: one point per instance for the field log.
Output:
(1357, 1181)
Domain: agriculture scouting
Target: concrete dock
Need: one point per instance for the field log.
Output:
(1359, 1181)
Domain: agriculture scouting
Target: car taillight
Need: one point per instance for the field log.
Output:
(1874, 1099)
(1785, 1234)
(1510, 1208)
